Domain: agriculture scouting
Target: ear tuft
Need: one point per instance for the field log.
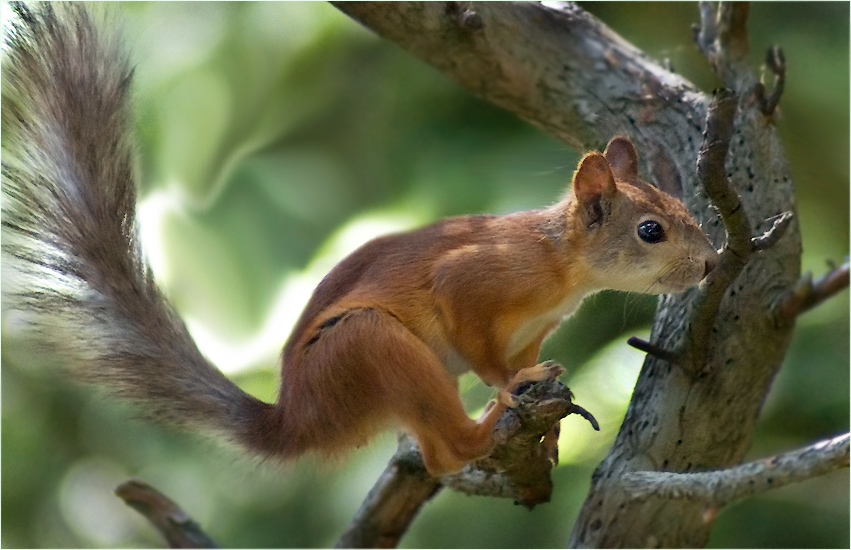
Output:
(593, 178)
(621, 154)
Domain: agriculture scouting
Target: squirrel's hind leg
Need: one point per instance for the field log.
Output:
(369, 369)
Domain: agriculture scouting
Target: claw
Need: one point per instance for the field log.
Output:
(506, 399)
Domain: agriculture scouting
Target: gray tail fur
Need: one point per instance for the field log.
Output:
(78, 277)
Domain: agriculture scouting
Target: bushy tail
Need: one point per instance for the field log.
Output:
(69, 229)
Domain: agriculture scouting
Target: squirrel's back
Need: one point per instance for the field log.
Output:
(78, 278)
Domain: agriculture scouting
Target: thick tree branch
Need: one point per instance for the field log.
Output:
(175, 525)
(553, 65)
(719, 488)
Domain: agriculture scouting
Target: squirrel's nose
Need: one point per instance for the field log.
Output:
(709, 265)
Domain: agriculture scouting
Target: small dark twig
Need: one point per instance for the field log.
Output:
(587, 416)
(774, 234)
(175, 525)
(654, 350)
(808, 293)
(718, 488)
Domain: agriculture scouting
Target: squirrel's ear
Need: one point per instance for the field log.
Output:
(594, 187)
(593, 178)
(622, 157)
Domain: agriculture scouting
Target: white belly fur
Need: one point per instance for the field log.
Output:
(531, 329)
(455, 363)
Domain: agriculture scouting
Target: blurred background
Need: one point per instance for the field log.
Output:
(275, 138)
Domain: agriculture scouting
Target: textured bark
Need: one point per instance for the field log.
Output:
(567, 73)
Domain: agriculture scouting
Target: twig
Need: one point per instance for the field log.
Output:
(776, 63)
(723, 40)
(770, 237)
(175, 525)
(654, 350)
(721, 487)
(587, 416)
(707, 32)
(739, 246)
(732, 31)
(712, 172)
(808, 293)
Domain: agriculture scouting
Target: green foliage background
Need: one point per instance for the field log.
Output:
(272, 127)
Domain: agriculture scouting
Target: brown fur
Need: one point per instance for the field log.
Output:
(385, 332)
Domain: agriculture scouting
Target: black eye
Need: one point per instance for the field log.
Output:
(651, 232)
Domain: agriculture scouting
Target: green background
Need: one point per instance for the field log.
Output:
(278, 136)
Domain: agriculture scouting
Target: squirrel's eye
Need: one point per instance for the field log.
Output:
(651, 231)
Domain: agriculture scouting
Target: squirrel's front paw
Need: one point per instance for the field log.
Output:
(548, 370)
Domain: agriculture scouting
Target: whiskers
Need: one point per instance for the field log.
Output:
(677, 276)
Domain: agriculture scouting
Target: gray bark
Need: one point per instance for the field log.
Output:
(568, 74)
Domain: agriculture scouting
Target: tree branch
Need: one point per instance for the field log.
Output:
(740, 246)
(175, 525)
(553, 65)
(718, 488)
(518, 467)
(775, 61)
(392, 503)
(808, 293)
(711, 170)
(722, 38)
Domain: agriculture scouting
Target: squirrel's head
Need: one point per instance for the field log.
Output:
(631, 235)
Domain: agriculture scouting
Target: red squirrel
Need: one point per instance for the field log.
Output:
(385, 333)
